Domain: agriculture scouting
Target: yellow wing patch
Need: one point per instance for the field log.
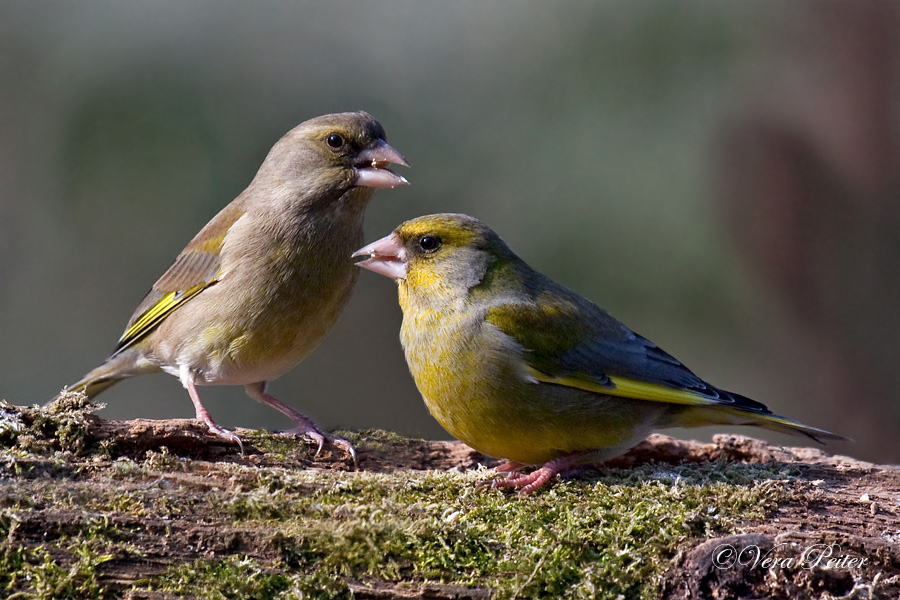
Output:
(156, 313)
(627, 388)
(706, 411)
(212, 245)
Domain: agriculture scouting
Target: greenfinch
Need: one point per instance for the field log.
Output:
(260, 285)
(523, 369)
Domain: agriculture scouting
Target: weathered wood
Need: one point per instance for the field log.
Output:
(842, 503)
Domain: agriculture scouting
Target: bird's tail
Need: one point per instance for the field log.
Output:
(114, 370)
(93, 383)
(719, 415)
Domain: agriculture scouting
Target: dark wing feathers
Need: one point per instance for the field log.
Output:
(568, 337)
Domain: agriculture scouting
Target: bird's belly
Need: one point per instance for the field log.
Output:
(533, 423)
(488, 403)
(222, 350)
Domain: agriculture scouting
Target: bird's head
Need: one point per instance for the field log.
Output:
(333, 153)
(441, 256)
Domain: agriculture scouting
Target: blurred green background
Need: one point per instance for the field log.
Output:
(721, 176)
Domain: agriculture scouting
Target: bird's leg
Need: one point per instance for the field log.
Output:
(529, 482)
(203, 415)
(305, 425)
(510, 467)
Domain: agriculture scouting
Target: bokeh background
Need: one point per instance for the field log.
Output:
(721, 176)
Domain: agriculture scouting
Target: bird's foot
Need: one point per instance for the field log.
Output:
(527, 483)
(311, 432)
(305, 426)
(225, 434)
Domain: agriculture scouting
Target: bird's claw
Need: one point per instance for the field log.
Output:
(345, 446)
(225, 434)
(509, 477)
(525, 482)
(485, 485)
(319, 438)
(530, 482)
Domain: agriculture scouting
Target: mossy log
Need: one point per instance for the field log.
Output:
(91, 508)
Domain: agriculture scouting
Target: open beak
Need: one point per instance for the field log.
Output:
(371, 168)
(386, 256)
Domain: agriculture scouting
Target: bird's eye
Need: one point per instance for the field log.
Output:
(334, 140)
(429, 243)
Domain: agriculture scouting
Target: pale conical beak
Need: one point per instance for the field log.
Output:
(387, 256)
(371, 168)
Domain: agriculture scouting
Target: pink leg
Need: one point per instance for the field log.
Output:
(305, 425)
(539, 477)
(509, 466)
(203, 415)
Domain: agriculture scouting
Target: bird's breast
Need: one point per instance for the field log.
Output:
(281, 291)
(469, 373)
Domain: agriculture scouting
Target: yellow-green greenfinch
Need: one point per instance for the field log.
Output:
(259, 286)
(521, 368)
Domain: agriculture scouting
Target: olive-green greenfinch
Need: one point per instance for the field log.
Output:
(259, 286)
(523, 369)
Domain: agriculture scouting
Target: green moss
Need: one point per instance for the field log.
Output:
(603, 538)
(612, 536)
(270, 529)
(68, 416)
(373, 439)
(34, 574)
(241, 577)
(234, 577)
(285, 446)
(61, 426)
(164, 461)
(275, 445)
